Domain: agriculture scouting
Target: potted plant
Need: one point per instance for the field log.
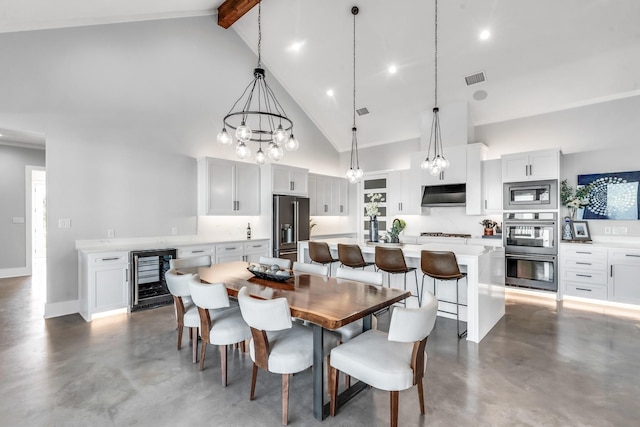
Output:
(574, 199)
(372, 212)
(396, 228)
(488, 225)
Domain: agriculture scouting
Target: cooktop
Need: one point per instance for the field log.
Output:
(440, 234)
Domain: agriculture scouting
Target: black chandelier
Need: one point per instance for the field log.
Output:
(262, 118)
(354, 174)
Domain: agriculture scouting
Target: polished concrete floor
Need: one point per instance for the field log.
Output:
(544, 364)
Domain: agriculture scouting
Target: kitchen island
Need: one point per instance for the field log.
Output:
(484, 265)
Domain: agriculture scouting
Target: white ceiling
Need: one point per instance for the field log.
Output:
(542, 56)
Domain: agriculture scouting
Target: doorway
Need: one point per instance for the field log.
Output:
(37, 228)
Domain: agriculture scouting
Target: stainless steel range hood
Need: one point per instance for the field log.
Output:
(444, 195)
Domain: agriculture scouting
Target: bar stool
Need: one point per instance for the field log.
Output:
(443, 265)
(351, 256)
(319, 252)
(391, 260)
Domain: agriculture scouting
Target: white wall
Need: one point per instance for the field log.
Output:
(13, 161)
(127, 109)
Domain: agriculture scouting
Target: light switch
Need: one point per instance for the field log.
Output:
(18, 220)
(64, 223)
(111, 233)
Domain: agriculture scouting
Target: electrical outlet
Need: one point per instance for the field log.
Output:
(111, 232)
(64, 223)
(607, 230)
(174, 231)
(619, 230)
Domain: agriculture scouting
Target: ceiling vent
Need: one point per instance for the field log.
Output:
(475, 78)
(362, 111)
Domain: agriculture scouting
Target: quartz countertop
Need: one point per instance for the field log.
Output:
(115, 245)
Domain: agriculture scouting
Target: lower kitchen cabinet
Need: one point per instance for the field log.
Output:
(197, 250)
(250, 251)
(624, 275)
(254, 250)
(103, 282)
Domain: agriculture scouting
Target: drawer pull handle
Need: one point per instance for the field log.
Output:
(583, 263)
(110, 259)
(257, 246)
(197, 252)
(230, 249)
(632, 255)
(583, 275)
(583, 252)
(583, 289)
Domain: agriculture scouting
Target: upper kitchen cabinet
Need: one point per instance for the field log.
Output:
(492, 186)
(226, 187)
(328, 195)
(403, 193)
(288, 180)
(531, 166)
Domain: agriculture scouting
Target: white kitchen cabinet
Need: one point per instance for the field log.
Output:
(583, 271)
(103, 283)
(492, 187)
(256, 249)
(231, 251)
(404, 193)
(624, 275)
(197, 250)
(530, 166)
(226, 187)
(328, 195)
(288, 180)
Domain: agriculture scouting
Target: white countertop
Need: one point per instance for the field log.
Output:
(115, 245)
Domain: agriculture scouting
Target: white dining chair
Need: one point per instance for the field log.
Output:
(185, 310)
(278, 345)
(395, 361)
(280, 262)
(353, 329)
(195, 261)
(220, 323)
(306, 268)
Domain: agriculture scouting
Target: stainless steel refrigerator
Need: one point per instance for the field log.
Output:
(290, 225)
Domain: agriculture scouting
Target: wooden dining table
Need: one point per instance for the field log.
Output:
(326, 303)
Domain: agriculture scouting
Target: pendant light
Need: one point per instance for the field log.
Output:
(435, 161)
(261, 118)
(354, 174)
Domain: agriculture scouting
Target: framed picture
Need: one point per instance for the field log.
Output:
(580, 230)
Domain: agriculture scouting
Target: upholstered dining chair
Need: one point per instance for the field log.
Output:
(315, 269)
(196, 261)
(395, 361)
(391, 260)
(353, 329)
(186, 311)
(351, 256)
(280, 262)
(220, 323)
(277, 345)
(319, 253)
(443, 266)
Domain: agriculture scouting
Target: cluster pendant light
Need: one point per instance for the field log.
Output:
(435, 161)
(354, 174)
(261, 119)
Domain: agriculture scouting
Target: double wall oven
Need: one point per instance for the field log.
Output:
(531, 249)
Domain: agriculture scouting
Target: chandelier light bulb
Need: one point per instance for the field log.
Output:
(445, 163)
(242, 151)
(243, 133)
(279, 136)
(359, 173)
(350, 173)
(275, 152)
(426, 164)
(435, 170)
(353, 179)
(224, 138)
(260, 157)
(292, 143)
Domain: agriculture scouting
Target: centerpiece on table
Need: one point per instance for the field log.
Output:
(488, 225)
(373, 212)
(574, 199)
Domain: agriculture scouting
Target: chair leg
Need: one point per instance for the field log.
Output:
(415, 273)
(347, 381)
(203, 352)
(394, 408)
(254, 376)
(421, 396)
(223, 364)
(334, 378)
(285, 399)
(243, 348)
(180, 329)
(194, 345)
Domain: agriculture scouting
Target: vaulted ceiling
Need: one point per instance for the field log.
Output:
(541, 56)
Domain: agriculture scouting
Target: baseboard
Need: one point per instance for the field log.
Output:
(14, 272)
(63, 308)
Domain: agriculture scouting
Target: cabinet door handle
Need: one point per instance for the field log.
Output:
(126, 275)
(341, 208)
(632, 255)
(292, 185)
(611, 270)
(583, 275)
(583, 263)
(583, 289)
(326, 208)
(485, 203)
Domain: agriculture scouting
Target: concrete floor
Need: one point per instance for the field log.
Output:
(544, 364)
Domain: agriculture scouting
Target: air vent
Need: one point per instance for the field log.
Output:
(362, 111)
(475, 78)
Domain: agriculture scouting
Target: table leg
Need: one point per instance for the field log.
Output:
(366, 323)
(318, 373)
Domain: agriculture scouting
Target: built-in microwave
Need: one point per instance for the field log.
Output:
(531, 195)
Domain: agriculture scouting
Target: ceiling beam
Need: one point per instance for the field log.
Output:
(232, 10)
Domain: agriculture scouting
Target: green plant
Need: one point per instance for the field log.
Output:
(488, 223)
(396, 228)
(574, 199)
(311, 224)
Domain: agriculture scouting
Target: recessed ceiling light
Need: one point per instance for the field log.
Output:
(392, 69)
(295, 47)
(485, 34)
(330, 92)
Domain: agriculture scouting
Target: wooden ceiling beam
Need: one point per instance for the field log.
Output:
(232, 10)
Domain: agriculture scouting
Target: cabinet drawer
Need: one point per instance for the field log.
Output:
(256, 247)
(571, 251)
(590, 277)
(196, 251)
(109, 258)
(586, 264)
(624, 256)
(229, 248)
(586, 291)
